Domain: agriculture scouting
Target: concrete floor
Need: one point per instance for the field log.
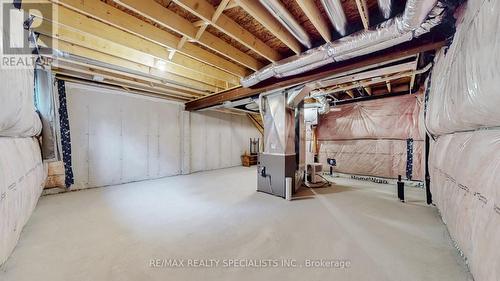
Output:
(114, 233)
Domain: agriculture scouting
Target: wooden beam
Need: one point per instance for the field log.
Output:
(350, 93)
(258, 12)
(256, 123)
(231, 4)
(123, 79)
(111, 48)
(388, 85)
(93, 27)
(314, 15)
(213, 16)
(368, 90)
(322, 73)
(363, 12)
(89, 77)
(169, 19)
(124, 21)
(138, 67)
(412, 79)
(77, 78)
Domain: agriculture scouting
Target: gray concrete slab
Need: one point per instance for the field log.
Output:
(132, 231)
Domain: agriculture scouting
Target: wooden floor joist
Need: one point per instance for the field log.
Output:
(133, 66)
(105, 46)
(204, 10)
(85, 25)
(124, 21)
(321, 73)
(167, 18)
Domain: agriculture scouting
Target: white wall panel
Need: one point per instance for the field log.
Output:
(219, 139)
(117, 137)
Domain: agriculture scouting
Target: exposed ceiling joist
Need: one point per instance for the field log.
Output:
(231, 4)
(363, 12)
(314, 15)
(214, 17)
(89, 77)
(93, 27)
(131, 24)
(69, 35)
(169, 19)
(77, 78)
(255, 9)
(64, 65)
(124, 63)
(239, 92)
(350, 93)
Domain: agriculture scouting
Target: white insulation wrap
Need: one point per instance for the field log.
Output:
(412, 23)
(17, 108)
(388, 118)
(219, 139)
(118, 137)
(464, 161)
(465, 172)
(381, 158)
(464, 86)
(18, 117)
(22, 177)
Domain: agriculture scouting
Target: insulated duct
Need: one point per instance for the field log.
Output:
(336, 15)
(392, 32)
(287, 20)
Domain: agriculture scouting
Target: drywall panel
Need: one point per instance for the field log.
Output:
(219, 139)
(117, 137)
(22, 178)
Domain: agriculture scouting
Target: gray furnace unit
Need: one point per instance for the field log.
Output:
(284, 141)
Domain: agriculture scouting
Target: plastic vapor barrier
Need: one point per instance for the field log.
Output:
(372, 137)
(465, 161)
(18, 117)
(380, 158)
(22, 177)
(464, 86)
(465, 171)
(387, 118)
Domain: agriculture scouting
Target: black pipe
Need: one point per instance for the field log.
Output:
(428, 193)
(401, 189)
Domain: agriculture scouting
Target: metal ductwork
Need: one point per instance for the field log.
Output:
(336, 15)
(287, 20)
(385, 7)
(418, 18)
(324, 105)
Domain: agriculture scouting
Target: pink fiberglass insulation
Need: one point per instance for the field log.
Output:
(370, 137)
(465, 171)
(380, 158)
(388, 118)
(465, 158)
